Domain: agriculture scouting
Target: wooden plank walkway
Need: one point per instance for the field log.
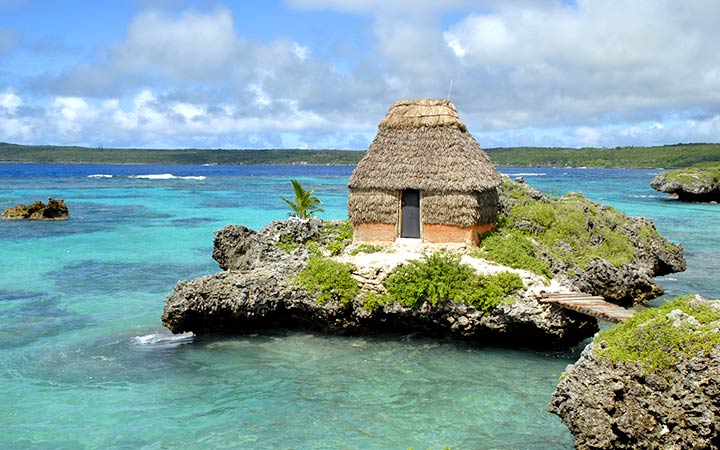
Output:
(591, 305)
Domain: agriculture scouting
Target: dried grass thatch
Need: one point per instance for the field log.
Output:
(460, 208)
(373, 206)
(422, 144)
(422, 112)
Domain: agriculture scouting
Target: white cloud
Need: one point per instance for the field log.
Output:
(580, 63)
(592, 72)
(9, 101)
(191, 46)
(300, 51)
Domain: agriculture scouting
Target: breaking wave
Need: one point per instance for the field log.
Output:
(166, 176)
(162, 340)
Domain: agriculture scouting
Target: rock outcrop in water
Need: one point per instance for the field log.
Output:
(690, 185)
(591, 247)
(256, 291)
(637, 391)
(53, 210)
(259, 288)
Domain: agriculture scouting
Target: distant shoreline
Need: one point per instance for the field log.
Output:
(666, 156)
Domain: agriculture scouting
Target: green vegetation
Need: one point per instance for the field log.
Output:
(679, 155)
(328, 279)
(305, 204)
(372, 301)
(513, 249)
(287, 243)
(313, 248)
(441, 276)
(366, 248)
(336, 235)
(695, 175)
(570, 228)
(65, 154)
(650, 339)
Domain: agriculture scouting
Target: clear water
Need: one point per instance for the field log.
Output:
(85, 362)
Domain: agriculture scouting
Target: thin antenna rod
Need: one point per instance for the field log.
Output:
(450, 89)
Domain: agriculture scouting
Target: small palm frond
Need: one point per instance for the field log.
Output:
(305, 203)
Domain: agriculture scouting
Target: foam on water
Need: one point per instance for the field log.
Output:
(163, 340)
(167, 176)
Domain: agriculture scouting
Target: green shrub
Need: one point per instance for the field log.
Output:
(313, 248)
(650, 339)
(287, 244)
(372, 301)
(366, 248)
(571, 228)
(514, 250)
(335, 235)
(328, 280)
(441, 276)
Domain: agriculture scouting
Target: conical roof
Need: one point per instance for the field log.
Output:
(422, 144)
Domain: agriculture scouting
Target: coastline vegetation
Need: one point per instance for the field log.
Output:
(441, 276)
(705, 174)
(571, 229)
(328, 279)
(652, 340)
(669, 156)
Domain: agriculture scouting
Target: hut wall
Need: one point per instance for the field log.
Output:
(462, 209)
(373, 206)
(374, 232)
(439, 233)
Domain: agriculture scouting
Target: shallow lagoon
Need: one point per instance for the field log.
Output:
(86, 363)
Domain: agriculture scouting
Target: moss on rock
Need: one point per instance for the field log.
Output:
(658, 339)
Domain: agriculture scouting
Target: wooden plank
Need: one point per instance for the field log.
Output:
(591, 305)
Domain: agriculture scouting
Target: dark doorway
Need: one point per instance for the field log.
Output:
(410, 225)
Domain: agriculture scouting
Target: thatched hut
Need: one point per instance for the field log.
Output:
(424, 176)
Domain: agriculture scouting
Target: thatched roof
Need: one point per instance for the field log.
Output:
(422, 144)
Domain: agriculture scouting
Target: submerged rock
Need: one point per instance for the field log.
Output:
(656, 385)
(690, 185)
(53, 210)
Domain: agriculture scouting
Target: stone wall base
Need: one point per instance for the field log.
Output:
(433, 233)
(374, 232)
(442, 234)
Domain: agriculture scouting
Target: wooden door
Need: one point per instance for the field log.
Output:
(410, 222)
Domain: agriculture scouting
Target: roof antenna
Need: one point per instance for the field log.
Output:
(449, 89)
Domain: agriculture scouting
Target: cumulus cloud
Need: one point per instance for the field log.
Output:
(9, 101)
(192, 46)
(590, 72)
(581, 62)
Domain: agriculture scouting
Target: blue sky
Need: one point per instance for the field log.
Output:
(322, 73)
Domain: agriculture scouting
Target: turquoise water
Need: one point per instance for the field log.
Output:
(86, 363)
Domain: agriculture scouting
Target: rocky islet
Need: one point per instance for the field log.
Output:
(257, 291)
(52, 210)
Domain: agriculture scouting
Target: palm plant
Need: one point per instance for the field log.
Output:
(305, 203)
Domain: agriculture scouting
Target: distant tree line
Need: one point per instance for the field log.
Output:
(666, 156)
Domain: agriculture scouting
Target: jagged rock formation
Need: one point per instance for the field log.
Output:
(626, 405)
(690, 185)
(256, 292)
(53, 210)
(649, 253)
